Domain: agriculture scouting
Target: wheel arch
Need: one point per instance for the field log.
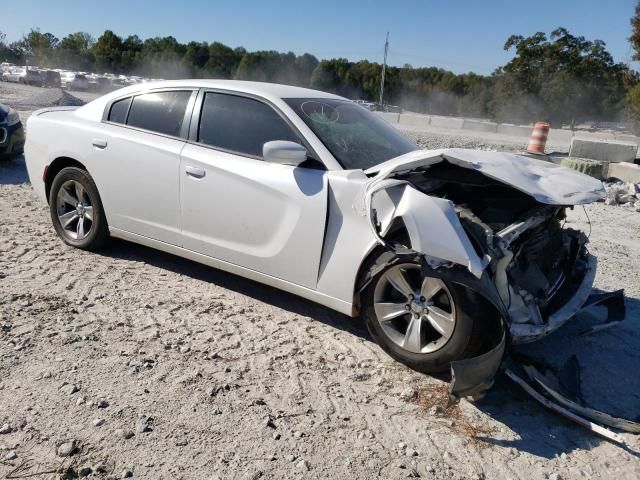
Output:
(380, 257)
(398, 235)
(55, 167)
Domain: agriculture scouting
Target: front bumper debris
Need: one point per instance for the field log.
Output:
(552, 390)
(526, 332)
(472, 377)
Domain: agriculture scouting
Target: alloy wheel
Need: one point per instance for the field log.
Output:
(74, 209)
(417, 313)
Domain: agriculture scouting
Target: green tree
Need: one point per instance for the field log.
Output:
(331, 75)
(108, 52)
(130, 58)
(563, 79)
(196, 56)
(634, 39)
(74, 51)
(222, 61)
(38, 47)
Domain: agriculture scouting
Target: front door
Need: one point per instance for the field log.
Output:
(237, 208)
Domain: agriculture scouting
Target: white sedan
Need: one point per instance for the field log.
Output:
(438, 250)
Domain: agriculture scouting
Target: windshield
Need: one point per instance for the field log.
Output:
(357, 138)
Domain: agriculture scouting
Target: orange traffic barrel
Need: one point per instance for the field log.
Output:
(538, 138)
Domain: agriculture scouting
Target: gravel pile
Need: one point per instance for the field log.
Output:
(434, 141)
(43, 97)
(25, 98)
(625, 194)
(68, 100)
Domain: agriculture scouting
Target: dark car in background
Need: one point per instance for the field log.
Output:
(50, 78)
(11, 133)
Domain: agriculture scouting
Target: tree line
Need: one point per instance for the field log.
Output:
(561, 78)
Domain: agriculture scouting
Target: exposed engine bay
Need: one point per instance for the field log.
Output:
(537, 264)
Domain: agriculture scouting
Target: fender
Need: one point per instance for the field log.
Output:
(432, 223)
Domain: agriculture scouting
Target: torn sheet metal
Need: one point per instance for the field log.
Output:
(526, 332)
(594, 427)
(432, 223)
(472, 377)
(616, 310)
(551, 386)
(547, 182)
(569, 380)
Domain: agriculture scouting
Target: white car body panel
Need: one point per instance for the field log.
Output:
(145, 197)
(273, 215)
(547, 182)
(449, 242)
(302, 230)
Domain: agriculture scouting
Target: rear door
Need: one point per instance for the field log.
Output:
(237, 208)
(137, 153)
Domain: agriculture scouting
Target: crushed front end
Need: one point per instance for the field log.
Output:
(500, 215)
(542, 271)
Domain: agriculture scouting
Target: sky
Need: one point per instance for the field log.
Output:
(458, 35)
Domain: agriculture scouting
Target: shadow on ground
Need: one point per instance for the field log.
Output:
(273, 296)
(13, 171)
(609, 383)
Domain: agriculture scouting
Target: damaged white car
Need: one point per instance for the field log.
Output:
(444, 253)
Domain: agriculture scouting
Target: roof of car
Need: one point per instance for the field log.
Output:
(269, 91)
(258, 88)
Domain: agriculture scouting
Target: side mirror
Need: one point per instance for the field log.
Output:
(283, 152)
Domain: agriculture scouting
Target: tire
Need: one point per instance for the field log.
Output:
(436, 351)
(82, 226)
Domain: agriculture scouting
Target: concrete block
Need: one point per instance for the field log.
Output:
(624, 137)
(589, 167)
(478, 126)
(627, 172)
(558, 135)
(514, 130)
(413, 120)
(389, 117)
(606, 151)
(447, 123)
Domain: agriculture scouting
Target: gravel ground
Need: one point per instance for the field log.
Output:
(131, 362)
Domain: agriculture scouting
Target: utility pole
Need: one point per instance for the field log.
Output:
(384, 67)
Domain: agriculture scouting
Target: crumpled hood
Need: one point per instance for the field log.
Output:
(547, 182)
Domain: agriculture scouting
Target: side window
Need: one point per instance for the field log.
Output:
(119, 109)
(240, 124)
(161, 112)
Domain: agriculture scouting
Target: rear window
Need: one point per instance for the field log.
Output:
(161, 112)
(240, 124)
(119, 109)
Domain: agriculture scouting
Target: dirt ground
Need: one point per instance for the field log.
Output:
(142, 364)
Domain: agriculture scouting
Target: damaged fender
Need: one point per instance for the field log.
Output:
(432, 223)
(472, 377)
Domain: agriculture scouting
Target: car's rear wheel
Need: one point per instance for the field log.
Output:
(76, 210)
(418, 319)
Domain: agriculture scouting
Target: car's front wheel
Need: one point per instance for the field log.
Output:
(418, 319)
(76, 210)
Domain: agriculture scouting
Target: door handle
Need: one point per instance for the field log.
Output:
(195, 171)
(99, 143)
